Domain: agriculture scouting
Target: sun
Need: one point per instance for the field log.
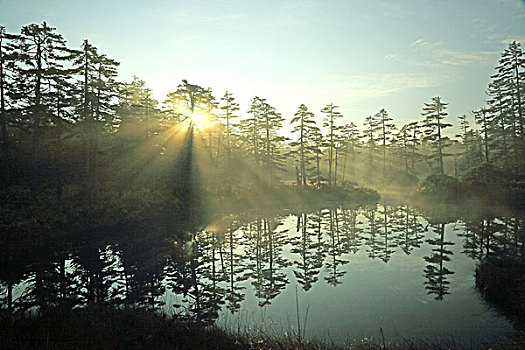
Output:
(200, 120)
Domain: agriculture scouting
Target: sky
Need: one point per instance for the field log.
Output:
(362, 55)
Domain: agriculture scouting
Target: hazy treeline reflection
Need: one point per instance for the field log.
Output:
(211, 269)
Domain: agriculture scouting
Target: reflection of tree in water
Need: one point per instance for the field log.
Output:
(472, 246)
(15, 258)
(410, 229)
(309, 250)
(351, 230)
(134, 268)
(141, 262)
(500, 269)
(388, 240)
(517, 235)
(95, 268)
(191, 273)
(38, 274)
(486, 236)
(266, 260)
(373, 231)
(235, 268)
(334, 263)
(435, 271)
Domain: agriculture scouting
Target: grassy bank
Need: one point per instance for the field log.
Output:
(103, 328)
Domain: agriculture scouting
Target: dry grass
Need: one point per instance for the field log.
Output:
(99, 328)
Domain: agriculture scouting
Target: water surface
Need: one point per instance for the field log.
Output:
(351, 270)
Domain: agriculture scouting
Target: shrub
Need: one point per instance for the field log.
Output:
(440, 187)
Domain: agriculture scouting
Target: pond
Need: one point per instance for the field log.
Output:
(351, 272)
(356, 271)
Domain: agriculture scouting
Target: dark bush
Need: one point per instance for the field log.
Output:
(487, 183)
(440, 187)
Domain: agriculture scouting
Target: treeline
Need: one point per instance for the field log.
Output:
(69, 125)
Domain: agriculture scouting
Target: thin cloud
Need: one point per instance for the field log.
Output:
(203, 17)
(342, 89)
(293, 13)
(377, 85)
(397, 9)
(508, 40)
(438, 53)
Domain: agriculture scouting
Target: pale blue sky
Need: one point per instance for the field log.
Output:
(362, 55)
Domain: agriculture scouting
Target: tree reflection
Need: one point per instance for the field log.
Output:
(387, 233)
(310, 252)
(410, 228)
(267, 263)
(373, 232)
(435, 271)
(335, 249)
(207, 270)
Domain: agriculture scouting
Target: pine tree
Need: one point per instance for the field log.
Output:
(339, 140)
(465, 137)
(138, 130)
(8, 57)
(434, 114)
(98, 90)
(262, 130)
(318, 144)
(414, 128)
(42, 51)
(500, 111)
(351, 141)
(402, 141)
(63, 118)
(329, 121)
(186, 100)
(251, 131)
(137, 107)
(511, 70)
(385, 129)
(370, 130)
(229, 108)
(483, 118)
(305, 122)
(507, 104)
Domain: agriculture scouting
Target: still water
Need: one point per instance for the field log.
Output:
(351, 271)
(354, 271)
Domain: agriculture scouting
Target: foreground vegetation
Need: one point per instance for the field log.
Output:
(101, 328)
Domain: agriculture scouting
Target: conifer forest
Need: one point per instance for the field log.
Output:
(198, 216)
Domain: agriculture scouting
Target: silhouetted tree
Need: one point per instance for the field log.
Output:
(229, 108)
(369, 133)
(329, 122)
(434, 114)
(8, 55)
(351, 142)
(384, 129)
(305, 123)
(483, 118)
(41, 54)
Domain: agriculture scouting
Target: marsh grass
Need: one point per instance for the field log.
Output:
(103, 328)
